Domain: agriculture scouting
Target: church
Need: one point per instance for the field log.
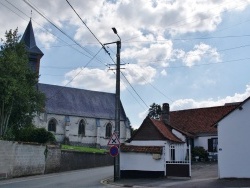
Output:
(75, 116)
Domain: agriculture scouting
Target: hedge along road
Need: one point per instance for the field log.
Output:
(78, 178)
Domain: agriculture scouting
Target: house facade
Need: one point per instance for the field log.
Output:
(163, 147)
(154, 151)
(75, 116)
(196, 125)
(233, 142)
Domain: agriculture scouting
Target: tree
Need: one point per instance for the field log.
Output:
(154, 111)
(19, 97)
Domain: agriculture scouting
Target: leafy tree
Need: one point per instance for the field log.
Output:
(19, 97)
(154, 111)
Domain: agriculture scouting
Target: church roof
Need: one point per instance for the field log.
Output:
(79, 102)
(29, 39)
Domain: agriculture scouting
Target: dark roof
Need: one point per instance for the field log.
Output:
(152, 129)
(237, 107)
(200, 120)
(141, 149)
(79, 102)
(29, 39)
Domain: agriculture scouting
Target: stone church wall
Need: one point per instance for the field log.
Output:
(95, 129)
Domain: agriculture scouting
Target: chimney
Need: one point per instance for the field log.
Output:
(165, 117)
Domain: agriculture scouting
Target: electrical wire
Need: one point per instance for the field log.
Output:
(74, 76)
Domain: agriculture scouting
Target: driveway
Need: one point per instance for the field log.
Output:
(203, 175)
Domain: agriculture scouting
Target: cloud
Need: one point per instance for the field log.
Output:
(92, 79)
(164, 72)
(155, 54)
(46, 39)
(192, 103)
(140, 75)
(201, 52)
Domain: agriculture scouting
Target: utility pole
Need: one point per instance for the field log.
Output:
(117, 104)
(117, 110)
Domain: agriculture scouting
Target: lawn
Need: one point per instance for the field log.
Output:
(83, 149)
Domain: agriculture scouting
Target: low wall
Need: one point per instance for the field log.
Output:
(24, 159)
(73, 160)
(20, 159)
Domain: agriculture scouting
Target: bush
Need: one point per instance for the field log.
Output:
(199, 151)
(31, 134)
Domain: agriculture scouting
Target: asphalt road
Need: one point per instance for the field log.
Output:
(79, 178)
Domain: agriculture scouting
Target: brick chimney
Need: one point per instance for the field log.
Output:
(165, 117)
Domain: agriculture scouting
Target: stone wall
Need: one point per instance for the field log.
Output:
(24, 159)
(72, 160)
(20, 159)
(53, 159)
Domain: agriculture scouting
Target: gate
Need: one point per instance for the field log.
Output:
(178, 160)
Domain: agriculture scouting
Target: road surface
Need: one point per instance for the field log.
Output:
(79, 178)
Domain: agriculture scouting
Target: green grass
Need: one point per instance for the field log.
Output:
(83, 149)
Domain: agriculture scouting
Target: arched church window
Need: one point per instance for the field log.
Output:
(52, 125)
(81, 128)
(108, 130)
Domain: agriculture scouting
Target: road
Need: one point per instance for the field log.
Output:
(79, 178)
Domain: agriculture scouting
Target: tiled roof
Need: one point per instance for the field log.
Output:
(29, 39)
(239, 105)
(152, 129)
(165, 131)
(141, 149)
(79, 102)
(200, 120)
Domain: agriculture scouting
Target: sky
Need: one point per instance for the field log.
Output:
(190, 54)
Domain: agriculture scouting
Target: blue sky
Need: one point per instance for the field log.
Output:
(189, 54)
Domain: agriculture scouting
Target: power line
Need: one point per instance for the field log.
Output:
(87, 26)
(86, 50)
(135, 90)
(75, 75)
(103, 48)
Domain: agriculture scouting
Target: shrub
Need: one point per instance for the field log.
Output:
(199, 151)
(40, 135)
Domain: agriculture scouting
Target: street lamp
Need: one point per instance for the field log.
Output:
(117, 104)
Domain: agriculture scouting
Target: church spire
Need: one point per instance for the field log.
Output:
(29, 40)
(35, 54)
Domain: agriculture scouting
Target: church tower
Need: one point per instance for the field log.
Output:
(34, 53)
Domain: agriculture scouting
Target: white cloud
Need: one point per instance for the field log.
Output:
(201, 52)
(46, 39)
(164, 72)
(192, 103)
(154, 54)
(138, 74)
(92, 79)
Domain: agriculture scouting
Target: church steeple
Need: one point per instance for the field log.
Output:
(35, 54)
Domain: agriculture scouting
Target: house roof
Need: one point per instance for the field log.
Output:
(200, 120)
(237, 107)
(29, 39)
(152, 129)
(141, 149)
(79, 102)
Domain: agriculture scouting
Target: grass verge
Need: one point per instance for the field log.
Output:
(83, 149)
